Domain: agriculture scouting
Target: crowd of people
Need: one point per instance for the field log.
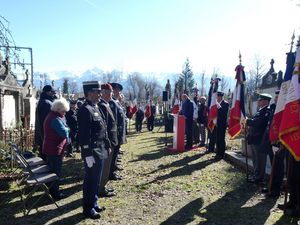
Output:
(257, 128)
(196, 122)
(96, 126)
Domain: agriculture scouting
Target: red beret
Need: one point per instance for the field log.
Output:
(106, 87)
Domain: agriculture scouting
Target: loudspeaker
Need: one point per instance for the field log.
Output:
(165, 96)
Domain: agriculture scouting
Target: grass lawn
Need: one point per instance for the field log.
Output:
(158, 187)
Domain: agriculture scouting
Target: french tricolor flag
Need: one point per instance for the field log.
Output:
(289, 130)
(237, 112)
(213, 108)
(275, 124)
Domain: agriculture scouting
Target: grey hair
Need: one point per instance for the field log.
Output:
(60, 105)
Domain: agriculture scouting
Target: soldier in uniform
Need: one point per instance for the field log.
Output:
(94, 144)
(120, 117)
(257, 129)
(217, 136)
(106, 96)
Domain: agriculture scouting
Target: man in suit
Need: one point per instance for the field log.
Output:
(257, 130)
(188, 111)
(217, 136)
(95, 147)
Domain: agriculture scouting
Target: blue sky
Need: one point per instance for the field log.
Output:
(152, 35)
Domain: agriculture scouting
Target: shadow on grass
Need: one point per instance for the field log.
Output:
(184, 170)
(178, 163)
(236, 207)
(285, 220)
(10, 209)
(153, 155)
(186, 214)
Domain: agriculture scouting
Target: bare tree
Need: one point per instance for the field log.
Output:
(255, 74)
(150, 87)
(224, 83)
(132, 86)
(136, 85)
(73, 88)
(110, 77)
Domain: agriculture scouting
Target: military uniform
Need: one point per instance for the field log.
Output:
(120, 116)
(94, 143)
(256, 139)
(112, 135)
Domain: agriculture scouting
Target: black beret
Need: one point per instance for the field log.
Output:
(116, 85)
(48, 88)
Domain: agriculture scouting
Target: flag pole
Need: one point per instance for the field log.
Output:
(246, 151)
(273, 167)
(287, 182)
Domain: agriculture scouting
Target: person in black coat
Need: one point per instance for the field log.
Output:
(42, 110)
(217, 136)
(151, 118)
(188, 111)
(71, 118)
(258, 130)
(139, 117)
(202, 120)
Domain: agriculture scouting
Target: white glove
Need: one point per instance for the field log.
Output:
(275, 149)
(90, 160)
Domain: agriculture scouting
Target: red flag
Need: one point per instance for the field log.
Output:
(276, 121)
(129, 112)
(148, 111)
(134, 108)
(289, 131)
(213, 109)
(175, 108)
(238, 107)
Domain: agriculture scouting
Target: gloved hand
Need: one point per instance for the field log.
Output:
(90, 160)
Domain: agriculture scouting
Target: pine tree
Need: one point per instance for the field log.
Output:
(187, 80)
(66, 86)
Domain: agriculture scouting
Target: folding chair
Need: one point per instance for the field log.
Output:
(32, 161)
(36, 181)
